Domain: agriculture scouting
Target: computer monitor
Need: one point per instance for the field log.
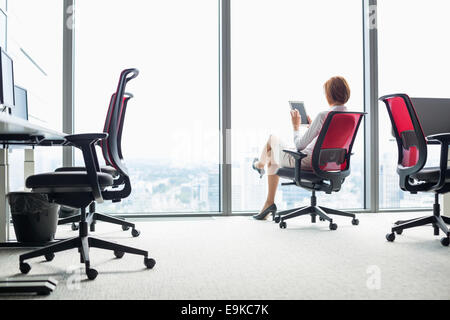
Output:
(6, 80)
(433, 114)
(20, 109)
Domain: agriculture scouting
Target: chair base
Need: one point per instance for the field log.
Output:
(100, 217)
(438, 222)
(314, 211)
(83, 243)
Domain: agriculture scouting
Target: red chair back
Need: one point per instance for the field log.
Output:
(114, 142)
(335, 143)
(103, 144)
(117, 104)
(408, 132)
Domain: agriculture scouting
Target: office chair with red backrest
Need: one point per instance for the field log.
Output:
(330, 167)
(79, 189)
(115, 104)
(413, 152)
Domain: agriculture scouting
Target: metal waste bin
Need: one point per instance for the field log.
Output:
(35, 219)
(67, 212)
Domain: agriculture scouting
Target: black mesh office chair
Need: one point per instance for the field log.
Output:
(413, 153)
(331, 166)
(120, 103)
(79, 190)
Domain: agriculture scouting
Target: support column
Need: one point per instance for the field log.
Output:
(29, 165)
(4, 189)
(225, 107)
(68, 78)
(371, 105)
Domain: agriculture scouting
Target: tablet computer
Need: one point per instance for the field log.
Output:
(300, 106)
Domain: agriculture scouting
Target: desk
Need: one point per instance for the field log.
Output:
(434, 116)
(10, 127)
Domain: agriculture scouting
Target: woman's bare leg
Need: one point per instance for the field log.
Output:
(265, 156)
(273, 180)
(273, 187)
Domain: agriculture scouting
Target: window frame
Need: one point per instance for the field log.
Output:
(371, 124)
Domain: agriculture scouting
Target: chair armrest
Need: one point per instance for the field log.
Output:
(296, 154)
(86, 142)
(444, 140)
(93, 139)
(71, 141)
(432, 142)
(442, 137)
(88, 137)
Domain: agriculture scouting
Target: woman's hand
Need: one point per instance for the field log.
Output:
(296, 120)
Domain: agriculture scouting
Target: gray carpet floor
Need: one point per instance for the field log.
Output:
(238, 258)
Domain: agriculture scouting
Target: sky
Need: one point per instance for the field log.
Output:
(281, 50)
(174, 44)
(413, 56)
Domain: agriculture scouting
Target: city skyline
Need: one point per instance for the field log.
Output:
(159, 188)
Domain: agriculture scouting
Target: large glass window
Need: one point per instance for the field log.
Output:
(286, 50)
(171, 135)
(35, 44)
(413, 59)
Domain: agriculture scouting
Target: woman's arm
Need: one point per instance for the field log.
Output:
(301, 142)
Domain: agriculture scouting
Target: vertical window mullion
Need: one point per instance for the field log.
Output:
(68, 78)
(225, 105)
(371, 105)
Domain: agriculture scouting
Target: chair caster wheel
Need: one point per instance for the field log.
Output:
(390, 237)
(119, 254)
(125, 228)
(355, 222)
(283, 225)
(322, 219)
(91, 274)
(135, 233)
(25, 268)
(333, 226)
(74, 227)
(399, 232)
(445, 242)
(277, 219)
(149, 263)
(49, 257)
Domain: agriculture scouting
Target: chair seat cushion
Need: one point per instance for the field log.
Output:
(107, 169)
(289, 173)
(66, 180)
(431, 175)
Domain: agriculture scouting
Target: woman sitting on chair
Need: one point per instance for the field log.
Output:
(337, 92)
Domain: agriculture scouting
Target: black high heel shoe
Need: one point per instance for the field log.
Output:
(260, 171)
(263, 215)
